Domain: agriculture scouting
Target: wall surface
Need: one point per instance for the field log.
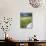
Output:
(12, 8)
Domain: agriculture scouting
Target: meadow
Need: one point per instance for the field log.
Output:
(25, 20)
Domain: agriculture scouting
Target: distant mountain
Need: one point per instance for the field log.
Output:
(25, 14)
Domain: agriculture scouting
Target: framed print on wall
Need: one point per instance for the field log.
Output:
(26, 20)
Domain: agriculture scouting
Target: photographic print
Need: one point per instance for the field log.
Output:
(26, 20)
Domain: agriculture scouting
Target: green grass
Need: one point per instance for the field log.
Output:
(24, 21)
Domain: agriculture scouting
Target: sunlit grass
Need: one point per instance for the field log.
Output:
(24, 21)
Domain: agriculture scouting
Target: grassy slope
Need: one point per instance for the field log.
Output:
(24, 21)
